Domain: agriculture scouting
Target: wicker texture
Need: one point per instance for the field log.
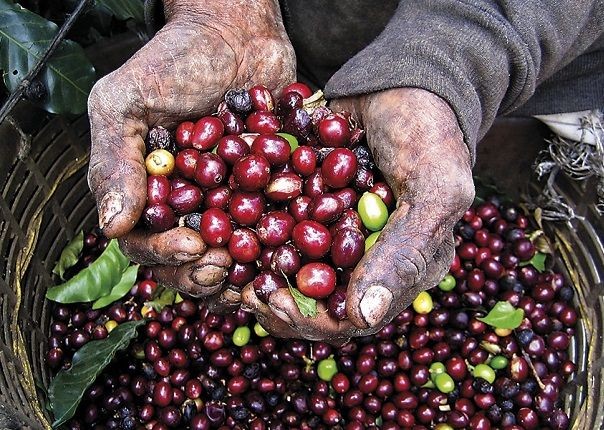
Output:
(45, 200)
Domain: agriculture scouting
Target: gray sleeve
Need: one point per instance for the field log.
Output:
(483, 57)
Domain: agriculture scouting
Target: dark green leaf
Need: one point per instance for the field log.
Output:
(124, 9)
(306, 305)
(68, 76)
(503, 315)
(70, 255)
(95, 281)
(538, 261)
(120, 290)
(68, 387)
(165, 298)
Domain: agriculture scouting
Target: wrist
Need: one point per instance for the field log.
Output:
(256, 17)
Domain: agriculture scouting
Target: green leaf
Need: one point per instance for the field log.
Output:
(165, 298)
(68, 76)
(121, 288)
(306, 305)
(95, 281)
(124, 9)
(68, 387)
(503, 315)
(538, 262)
(70, 255)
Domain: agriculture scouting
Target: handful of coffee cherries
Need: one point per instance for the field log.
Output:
(288, 187)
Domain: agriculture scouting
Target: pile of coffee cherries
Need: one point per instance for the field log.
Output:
(435, 366)
(291, 191)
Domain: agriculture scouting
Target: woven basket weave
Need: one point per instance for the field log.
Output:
(45, 200)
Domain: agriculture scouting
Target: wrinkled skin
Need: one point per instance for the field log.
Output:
(181, 74)
(417, 144)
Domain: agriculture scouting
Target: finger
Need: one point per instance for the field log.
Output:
(171, 247)
(117, 175)
(224, 302)
(265, 316)
(319, 327)
(395, 269)
(199, 278)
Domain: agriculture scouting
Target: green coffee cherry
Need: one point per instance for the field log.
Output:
(423, 303)
(436, 369)
(371, 239)
(373, 211)
(485, 372)
(444, 383)
(260, 331)
(327, 368)
(241, 335)
(498, 362)
(448, 283)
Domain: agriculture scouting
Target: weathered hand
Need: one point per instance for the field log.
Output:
(203, 50)
(417, 144)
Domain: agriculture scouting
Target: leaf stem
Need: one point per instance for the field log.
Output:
(16, 95)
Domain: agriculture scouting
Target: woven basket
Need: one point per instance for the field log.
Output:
(45, 200)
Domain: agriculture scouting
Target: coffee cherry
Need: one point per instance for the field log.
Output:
(266, 283)
(251, 172)
(246, 208)
(185, 162)
(261, 98)
(158, 217)
(183, 135)
(215, 227)
(373, 211)
(333, 131)
(262, 122)
(158, 189)
(300, 88)
(210, 171)
(231, 149)
(275, 228)
(185, 200)
(304, 160)
(283, 187)
(159, 162)
(325, 208)
(218, 197)
(339, 168)
(312, 239)
(285, 260)
(316, 280)
(327, 369)
(233, 125)
(206, 133)
(348, 247)
(244, 246)
(272, 147)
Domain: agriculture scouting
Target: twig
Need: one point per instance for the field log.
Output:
(54, 44)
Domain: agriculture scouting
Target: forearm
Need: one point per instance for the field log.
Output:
(482, 57)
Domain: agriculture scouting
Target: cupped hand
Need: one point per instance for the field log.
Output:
(203, 50)
(417, 144)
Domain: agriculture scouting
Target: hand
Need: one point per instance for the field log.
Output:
(204, 49)
(417, 144)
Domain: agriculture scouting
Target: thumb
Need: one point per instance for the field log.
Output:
(117, 174)
(412, 253)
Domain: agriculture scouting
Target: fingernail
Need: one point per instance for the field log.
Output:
(375, 304)
(185, 256)
(246, 308)
(111, 205)
(281, 314)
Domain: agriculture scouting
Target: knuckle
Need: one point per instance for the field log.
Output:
(410, 265)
